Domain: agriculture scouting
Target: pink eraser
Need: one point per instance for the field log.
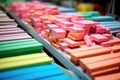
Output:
(88, 41)
(37, 25)
(64, 45)
(11, 32)
(76, 25)
(67, 24)
(77, 17)
(99, 38)
(106, 44)
(76, 29)
(59, 33)
(52, 26)
(100, 29)
(86, 23)
(75, 20)
(64, 28)
(14, 37)
(9, 29)
(36, 20)
(108, 35)
(43, 34)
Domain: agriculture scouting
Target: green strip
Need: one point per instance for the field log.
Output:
(16, 41)
(20, 43)
(20, 50)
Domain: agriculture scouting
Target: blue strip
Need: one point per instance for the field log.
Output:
(64, 9)
(40, 75)
(110, 22)
(60, 77)
(75, 79)
(18, 72)
(103, 18)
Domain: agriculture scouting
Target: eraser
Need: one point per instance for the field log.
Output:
(114, 76)
(99, 38)
(71, 43)
(105, 64)
(88, 41)
(76, 30)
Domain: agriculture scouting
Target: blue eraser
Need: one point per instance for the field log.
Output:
(103, 18)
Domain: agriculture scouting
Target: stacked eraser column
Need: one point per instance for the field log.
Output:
(21, 56)
(107, 21)
(110, 23)
(89, 44)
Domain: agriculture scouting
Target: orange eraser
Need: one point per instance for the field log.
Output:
(105, 72)
(91, 53)
(86, 48)
(75, 36)
(115, 41)
(71, 43)
(115, 76)
(74, 60)
(97, 66)
(99, 58)
(115, 48)
(85, 61)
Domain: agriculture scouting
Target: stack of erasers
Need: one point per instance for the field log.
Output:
(25, 10)
(107, 21)
(9, 29)
(84, 41)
